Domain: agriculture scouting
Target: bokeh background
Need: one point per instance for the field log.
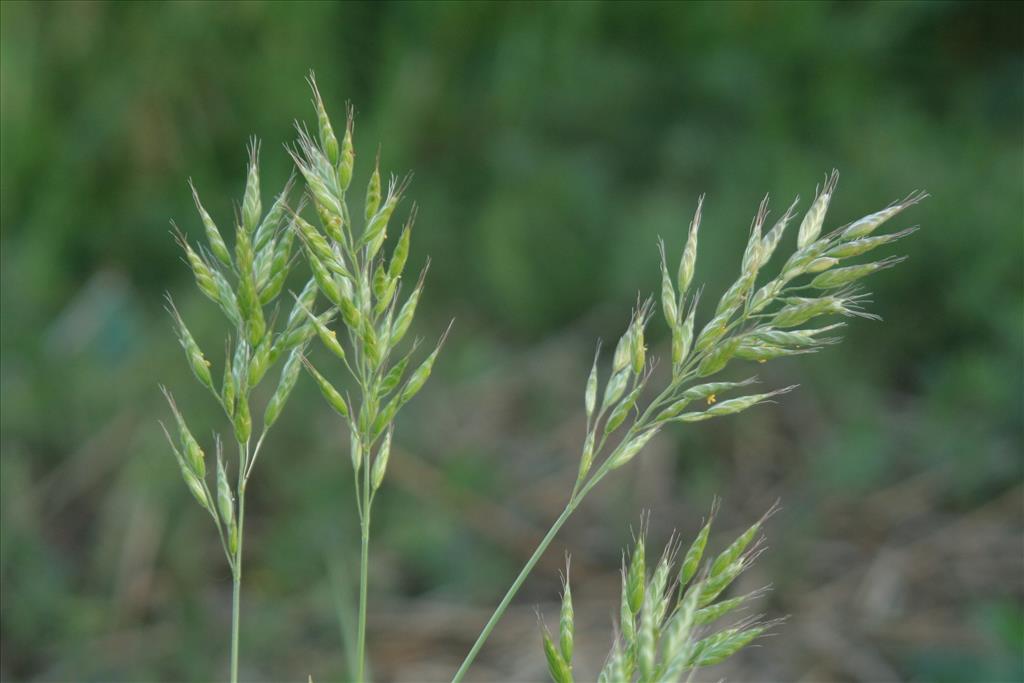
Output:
(552, 145)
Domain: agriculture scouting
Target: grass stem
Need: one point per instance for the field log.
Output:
(364, 575)
(514, 588)
(236, 595)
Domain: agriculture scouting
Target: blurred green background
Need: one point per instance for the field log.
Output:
(551, 145)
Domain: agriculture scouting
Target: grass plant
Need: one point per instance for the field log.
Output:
(245, 282)
(666, 621)
(760, 317)
(750, 322)
(363, 288)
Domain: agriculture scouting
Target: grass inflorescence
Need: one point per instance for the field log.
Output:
(364, 290)
(758, 318)
(245, 283)
(665, 617)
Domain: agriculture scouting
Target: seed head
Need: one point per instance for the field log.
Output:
(193, 455)
(373, 190)
(225, 501)
(251, 209)
(380, 463)
(867, 225)
(329, 392)
(328, 141)
(844, 276)
(566, 617)
(689, 258)
(810, 227)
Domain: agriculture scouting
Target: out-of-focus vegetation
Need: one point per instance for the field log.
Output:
(551, 144)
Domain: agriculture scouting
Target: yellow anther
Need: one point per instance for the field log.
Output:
(711, 399)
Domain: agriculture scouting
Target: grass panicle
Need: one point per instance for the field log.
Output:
(363, 287)
(669, 609)
(245, 281)
(758, 318)
(668, 625)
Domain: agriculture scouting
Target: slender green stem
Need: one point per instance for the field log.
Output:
(235, 601)
(236, 593)
(516, 585)
(364, 572)
(364, 563)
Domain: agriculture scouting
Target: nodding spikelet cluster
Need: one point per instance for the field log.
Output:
(659, 627)
(749, 322)
(363, 288)
(758, 318)
(245, 281)
(667, 617)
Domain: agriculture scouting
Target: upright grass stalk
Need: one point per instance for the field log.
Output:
(242, 282)
(236, 589)
(363, 289)
(748, 323)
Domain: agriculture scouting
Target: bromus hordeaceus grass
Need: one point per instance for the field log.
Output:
(662, 613)
(750, 322)
(363, 288)
(243, 283)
